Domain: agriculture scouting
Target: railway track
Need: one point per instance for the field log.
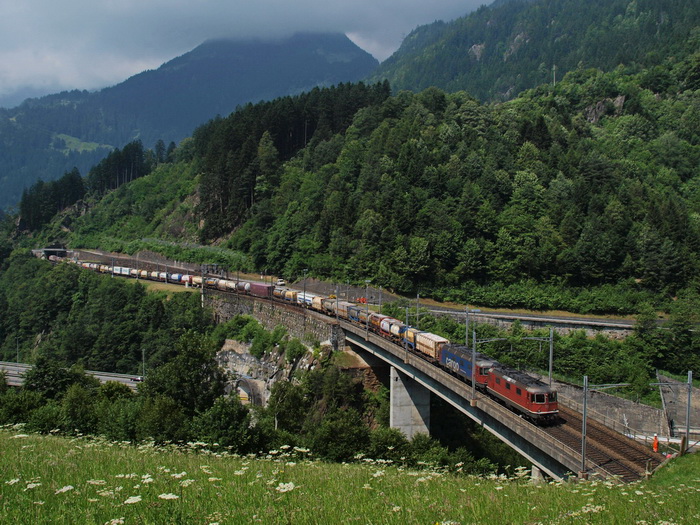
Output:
(610, 451)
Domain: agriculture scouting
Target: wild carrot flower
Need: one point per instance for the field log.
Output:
(96, 482)
(132, 499)
(168, 496)
(64, 489)
(285, 487)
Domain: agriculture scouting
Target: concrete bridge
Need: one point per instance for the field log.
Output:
(413, 380)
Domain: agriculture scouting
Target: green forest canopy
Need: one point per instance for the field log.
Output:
(582, 196)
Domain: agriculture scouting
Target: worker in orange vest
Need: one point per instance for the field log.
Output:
(655, 443)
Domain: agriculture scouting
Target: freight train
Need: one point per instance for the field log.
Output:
(515, 389)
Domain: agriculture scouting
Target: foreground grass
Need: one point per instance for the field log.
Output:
(59, 480)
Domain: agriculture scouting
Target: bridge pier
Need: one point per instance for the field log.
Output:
(409, 405)
(536, 475)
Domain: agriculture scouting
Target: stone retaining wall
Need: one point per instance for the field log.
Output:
(305, 325)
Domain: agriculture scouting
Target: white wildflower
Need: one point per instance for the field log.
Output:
(186, 482)
(168, 496)
(32, 486)
(592, 509)
(96, 482)
(179, 475)
(64, 489)
(132, 499)
(285, 487)
(12, 481)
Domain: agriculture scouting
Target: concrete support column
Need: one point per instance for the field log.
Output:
(409, 405)
(537, 476)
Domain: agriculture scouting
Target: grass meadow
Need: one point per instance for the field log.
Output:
(57, 480)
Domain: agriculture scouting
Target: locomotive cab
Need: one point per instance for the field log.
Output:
(542, 402)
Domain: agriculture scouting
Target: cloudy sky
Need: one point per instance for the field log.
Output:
(50, 45)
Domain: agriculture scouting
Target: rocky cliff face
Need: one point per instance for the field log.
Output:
(253, 377)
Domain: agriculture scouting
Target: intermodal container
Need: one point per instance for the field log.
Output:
(354, 313)
(261, 289)
(317, 303)
(409, 336)
(375, 320)
(430, 344)
(343, 307)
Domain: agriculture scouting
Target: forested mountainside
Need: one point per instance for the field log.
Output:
(581, 196)
(500, 50)
(46, 137)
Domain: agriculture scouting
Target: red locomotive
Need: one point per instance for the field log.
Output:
(523, 393)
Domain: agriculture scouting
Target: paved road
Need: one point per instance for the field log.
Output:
(15, 375)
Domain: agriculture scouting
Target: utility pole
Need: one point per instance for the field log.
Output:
(143, 362)
(405, 341)
(551, 353)
(466, 324)
(687, 412)
(586, 388)
(551, 348)
(367, 281)
(303, 302)
(202, 286)
(417, 306)
(583, 427)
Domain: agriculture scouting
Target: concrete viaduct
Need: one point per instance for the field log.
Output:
(412, 380)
